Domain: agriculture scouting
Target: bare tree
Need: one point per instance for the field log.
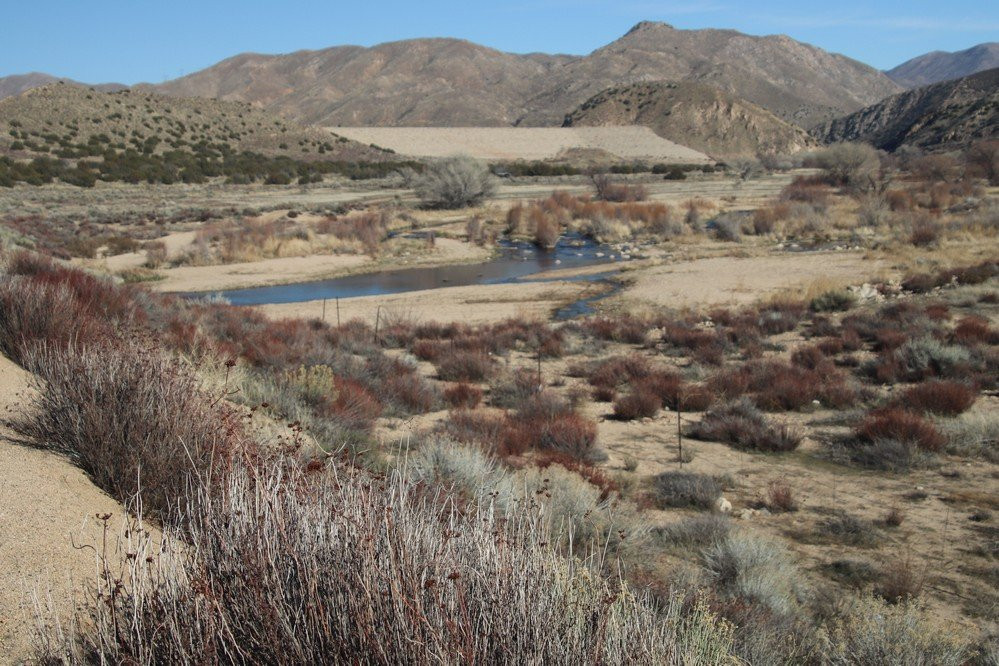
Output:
(849, 164)
(455, 182)
(983, 158)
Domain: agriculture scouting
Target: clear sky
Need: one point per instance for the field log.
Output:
(129, 41)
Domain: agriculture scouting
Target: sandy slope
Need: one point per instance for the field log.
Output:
(737, 280)
(524, 143)
(46, 504)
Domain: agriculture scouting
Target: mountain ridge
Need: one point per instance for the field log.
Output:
(939, 66)
(454, 82)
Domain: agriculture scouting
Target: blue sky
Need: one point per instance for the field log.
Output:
(131, 41)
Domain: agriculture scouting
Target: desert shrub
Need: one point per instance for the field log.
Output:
(751, 569)
(476, 426)
(639, 404)
(890, 455)
(974, 330)
(685, 489)
(847, 529)
(696, 532)
(925, 231)
(743, 426)
(973, 435)
(354, 406)
(899, 425)
(513, 390)
(833, 301)
(608, 190)
(156, 254)
(264, 556)
(463, 395)
(455, 182)
(947, 398)
(924, 357)
(546, 422)
(464, 366)
(727, 228)
(900, 580)
(409, 393)
(136, 421)
(780, 497)
(851, 164)
(872, 632)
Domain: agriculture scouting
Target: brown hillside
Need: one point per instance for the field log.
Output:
(447, 82)
(694, 114)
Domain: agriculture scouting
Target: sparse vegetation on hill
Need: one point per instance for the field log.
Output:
(80, 136)
(943, 116)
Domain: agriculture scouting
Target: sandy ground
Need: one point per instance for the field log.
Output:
(473, 304)
(736, 280)
(46, 505)
(524, 143)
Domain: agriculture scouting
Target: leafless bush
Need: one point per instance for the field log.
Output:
(455, 182)
(136, 421)
(851, 164)
(285, 567)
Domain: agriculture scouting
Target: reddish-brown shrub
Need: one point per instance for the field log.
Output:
(618, 370)
(136, 421)
(409, 391)
(476, 426)
(901, 426)
(463, 395)
(428, 350)
(604, 393)
(593, 475)
(974, 330)
(925, 231)
(740, 424)
(355, 407)
(937, 311)
(935, 396)
(640, 403)
(464, 366)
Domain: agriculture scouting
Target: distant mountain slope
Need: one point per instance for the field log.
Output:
(944, 115)
(940, 66)
(56, 116)
(18, 83)
(448, 82)
(693, 114)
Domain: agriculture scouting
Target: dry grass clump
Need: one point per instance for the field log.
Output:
(741, 425)
(748, 569)
(685, 489)
(417, 580)
(137, 422)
